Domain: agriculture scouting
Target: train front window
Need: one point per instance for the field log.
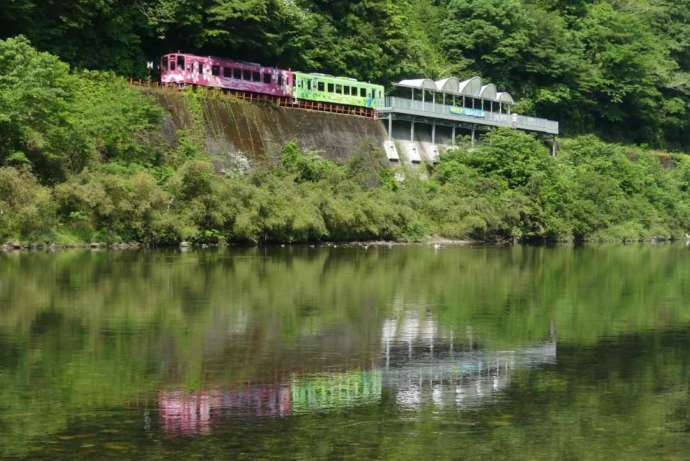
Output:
(180, 62)
(215, 71)
(172, 65)
(267, 78)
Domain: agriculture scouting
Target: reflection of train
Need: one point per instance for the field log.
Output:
(315, 91)
(418, 364)
(442, 377)
(193, 412)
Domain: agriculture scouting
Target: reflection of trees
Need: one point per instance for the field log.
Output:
(81, 331)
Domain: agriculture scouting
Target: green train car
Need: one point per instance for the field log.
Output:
(337, 90)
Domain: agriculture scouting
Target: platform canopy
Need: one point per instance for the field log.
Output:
(448, 85)
(488, 92)
(504, 97)
(420, 83)
(471, 87)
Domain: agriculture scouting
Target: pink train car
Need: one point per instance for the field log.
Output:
(188, 69)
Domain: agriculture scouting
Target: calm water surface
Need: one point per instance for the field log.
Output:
(346, 353)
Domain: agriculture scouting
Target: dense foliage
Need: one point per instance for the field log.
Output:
(620, 69)
(83, 159)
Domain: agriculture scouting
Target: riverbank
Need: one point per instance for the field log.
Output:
(120, 246)
(506, 190)
(106, 170)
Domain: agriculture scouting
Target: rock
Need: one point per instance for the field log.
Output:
(185, 244)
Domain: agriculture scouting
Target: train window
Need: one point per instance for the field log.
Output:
(362, 93)
(256, 76)
(180, 62)
(237, 74)
(280, 79)
(338, 89)
(330, 88)
(172, 65)
(321, 86)
(201, 68)
(246, 75)
(165, 63)
(215, 70)
(346, 90)
(227, 72)
(267, 78)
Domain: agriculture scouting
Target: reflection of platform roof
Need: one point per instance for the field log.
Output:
(471, 87)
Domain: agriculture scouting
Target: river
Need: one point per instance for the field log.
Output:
(404, 352)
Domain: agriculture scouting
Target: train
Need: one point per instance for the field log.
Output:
(303, 89)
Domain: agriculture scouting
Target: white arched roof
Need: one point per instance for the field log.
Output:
(470, 87)
(420, 83)
(488, 92)
(448, 85)
(504, 97)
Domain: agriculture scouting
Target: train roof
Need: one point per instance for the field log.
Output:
(332, 78)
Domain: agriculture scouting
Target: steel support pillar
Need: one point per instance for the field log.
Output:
(472, 144)
(452, 141)
(390, 126)
(433, 132)
(412, 131)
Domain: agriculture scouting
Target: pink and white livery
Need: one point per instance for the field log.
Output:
(188, 69)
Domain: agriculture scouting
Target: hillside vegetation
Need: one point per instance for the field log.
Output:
(83, 160)
(617, 68)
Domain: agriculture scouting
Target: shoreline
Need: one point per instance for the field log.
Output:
(436, 242)
(14, 247)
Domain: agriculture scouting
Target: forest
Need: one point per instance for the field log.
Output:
(81, 159)
(619, 69)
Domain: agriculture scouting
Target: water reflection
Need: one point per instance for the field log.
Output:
(419, 364)
(194, 412)
(253, 353)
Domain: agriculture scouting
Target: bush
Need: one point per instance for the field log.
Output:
(102, 205)
(26, 209)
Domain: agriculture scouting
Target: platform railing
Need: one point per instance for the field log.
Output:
(478, 116)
